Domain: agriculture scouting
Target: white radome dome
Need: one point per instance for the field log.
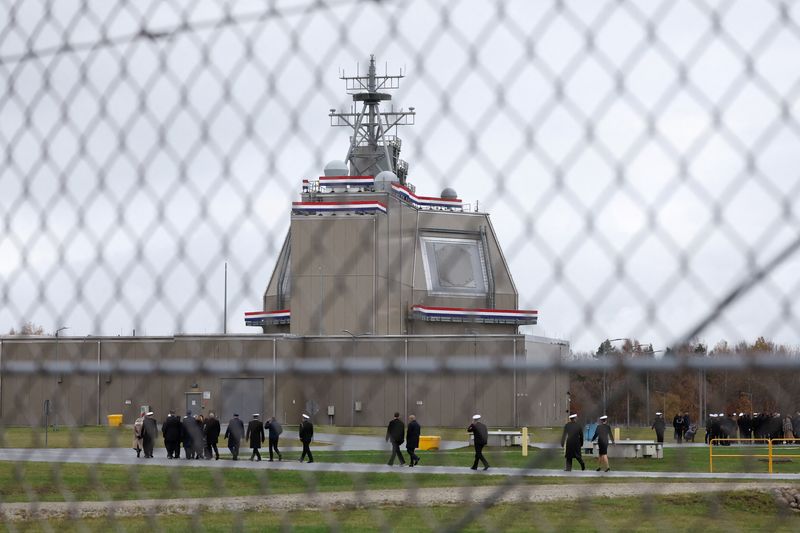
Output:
(336, 168)
(386, 176)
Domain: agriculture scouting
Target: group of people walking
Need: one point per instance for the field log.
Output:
(199, 436)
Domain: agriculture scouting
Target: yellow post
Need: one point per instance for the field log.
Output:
(616, 434)
(524, 442)
(711, 456)
(769, 448)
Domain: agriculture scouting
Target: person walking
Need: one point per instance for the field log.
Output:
(199, 438)
(149, 434)
(137, 434)
(394, 433)
(188, 431)
(306, 432)
(788, 430)
(234, 434)
(602, 434)
(572, 436)
(677, 424)
(255, 434)
(481, 436)
(413, 431)
(171, 429)
(659, 425)
(274, 430)
(212, 430)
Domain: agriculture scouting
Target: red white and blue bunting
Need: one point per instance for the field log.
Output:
(267, 318)
(426, 202)
(365, 206)
(462, 314)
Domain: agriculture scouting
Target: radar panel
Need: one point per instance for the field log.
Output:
(454, 266)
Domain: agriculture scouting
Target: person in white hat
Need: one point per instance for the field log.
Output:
(306, 432)
(573, 438)
(602, 434)
(659, 425)
(481, 434)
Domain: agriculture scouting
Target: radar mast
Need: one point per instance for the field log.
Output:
(374, 145)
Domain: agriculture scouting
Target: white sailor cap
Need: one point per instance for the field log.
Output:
(712, 415)
(658, 413)
(256, 415)
(573, 415)
(149, 413)
(476, 417)
(306, 416)
(604, 417)
(741, 414)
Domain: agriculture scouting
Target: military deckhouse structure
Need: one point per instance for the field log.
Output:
(371, 268)
(366, 253)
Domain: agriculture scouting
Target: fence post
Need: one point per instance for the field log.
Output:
(711, 456)
(769, 448)
(524, 442)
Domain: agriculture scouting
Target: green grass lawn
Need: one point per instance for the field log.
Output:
(733, 511)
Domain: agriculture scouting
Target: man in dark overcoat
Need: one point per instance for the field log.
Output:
(234, 434)
(190, 433)
(659, 424)
(395, 433)
(212, 430)
(255, 434)
(171, 429)
(412, 439)
(481, 437)
(306, 432)
(573, 438)
(149, 434)
(274, 430)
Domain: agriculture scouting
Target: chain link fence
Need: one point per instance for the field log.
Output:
(639, 163)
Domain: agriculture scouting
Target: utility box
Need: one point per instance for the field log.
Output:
(331, 410)
(357, 407)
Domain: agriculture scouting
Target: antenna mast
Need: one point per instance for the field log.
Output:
(374, 145)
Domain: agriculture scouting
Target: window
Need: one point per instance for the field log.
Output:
(454, 266)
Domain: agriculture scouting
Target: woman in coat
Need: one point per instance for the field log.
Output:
(138, 438)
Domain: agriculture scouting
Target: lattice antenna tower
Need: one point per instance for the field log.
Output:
(374, 145)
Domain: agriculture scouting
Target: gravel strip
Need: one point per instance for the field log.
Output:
(353, 499)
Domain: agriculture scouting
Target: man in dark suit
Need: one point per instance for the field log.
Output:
(394, 433)
(212, 430)
(573, 438)
(149, 434)
(171, 429)
(255, 434)
(306, 432)
(481, 434)
(189, 432)
(659, 424)
(234, 434)
(412, 439)
(274, 430)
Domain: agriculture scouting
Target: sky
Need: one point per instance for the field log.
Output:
(639, 159)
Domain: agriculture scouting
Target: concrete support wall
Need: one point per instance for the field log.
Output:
(437, 400)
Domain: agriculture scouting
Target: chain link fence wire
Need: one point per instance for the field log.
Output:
(639, 162)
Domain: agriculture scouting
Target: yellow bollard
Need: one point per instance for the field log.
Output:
(524, 442)
(616, 434)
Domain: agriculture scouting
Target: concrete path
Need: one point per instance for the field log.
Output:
(124, 456)
(283, 503)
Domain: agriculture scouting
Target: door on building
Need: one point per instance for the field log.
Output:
(194, 403)
(243, 396)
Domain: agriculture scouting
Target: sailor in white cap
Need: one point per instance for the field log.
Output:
(255, 433)
(149, 434)
(306, 432)
(602, 434)
(658, 425)
(481, 436)
(573, 438)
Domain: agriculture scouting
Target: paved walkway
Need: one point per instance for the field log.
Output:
(124, 456)
(282, 503)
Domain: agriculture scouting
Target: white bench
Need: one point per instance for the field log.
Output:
(501, 438)
(633, 449)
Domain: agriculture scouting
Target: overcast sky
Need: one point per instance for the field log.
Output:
(637, 162)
